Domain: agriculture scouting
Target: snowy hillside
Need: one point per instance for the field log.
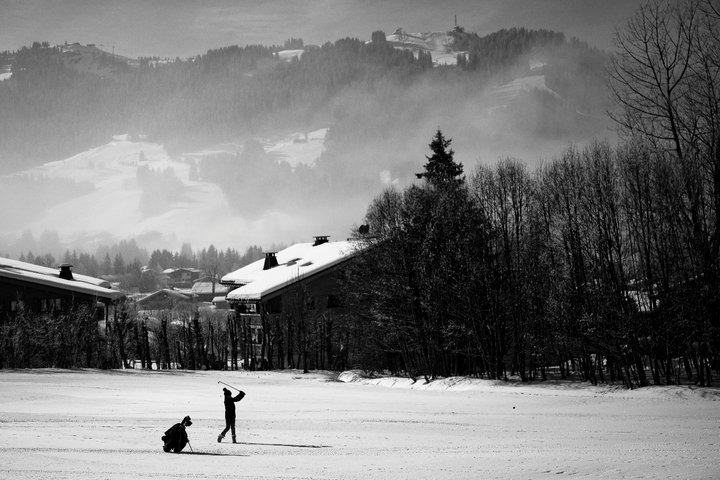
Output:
(116, 207)
(298, 149)
(294, 149)
(439, 44)
(288, 55)
(5, 72)
(112, 208)
(511, 90)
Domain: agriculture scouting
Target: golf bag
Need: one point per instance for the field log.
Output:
(175, 437)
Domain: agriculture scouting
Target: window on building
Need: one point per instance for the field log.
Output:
(17, 305)
(50, 304)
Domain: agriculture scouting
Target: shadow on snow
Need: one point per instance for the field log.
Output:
(284, 445)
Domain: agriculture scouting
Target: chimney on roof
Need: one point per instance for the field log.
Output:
(320, 239)
(65, 272)
(270, 261)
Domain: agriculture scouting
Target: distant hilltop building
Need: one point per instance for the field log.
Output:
(457, 28)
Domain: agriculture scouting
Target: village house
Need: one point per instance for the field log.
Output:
(43, 290)
(299, 280)
(164, 299)
(181, 277)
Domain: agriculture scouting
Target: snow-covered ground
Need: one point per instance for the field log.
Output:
(91, 424)
(511, 90)
(439, 44)
(299, 149)
(112, 207)
(288, 55)
(199, 213)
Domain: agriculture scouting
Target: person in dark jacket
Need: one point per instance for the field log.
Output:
(230, 413)
(176, 437)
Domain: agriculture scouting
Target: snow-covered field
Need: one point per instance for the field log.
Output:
(107, 425)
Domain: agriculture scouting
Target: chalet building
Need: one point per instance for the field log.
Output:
(299, 280)
(220, 303)
(181, 277)
(44, 290)
(165, 299)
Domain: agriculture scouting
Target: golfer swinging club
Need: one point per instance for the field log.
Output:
(230, 413)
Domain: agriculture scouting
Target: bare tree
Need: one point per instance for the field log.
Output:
(651, 74)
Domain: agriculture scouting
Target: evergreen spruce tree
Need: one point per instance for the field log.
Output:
(441, 168)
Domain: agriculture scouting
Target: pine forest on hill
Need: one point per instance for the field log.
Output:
(374, 98)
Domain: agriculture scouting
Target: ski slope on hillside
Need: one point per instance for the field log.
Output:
(112, 209)
(511, 90)
(197, 213)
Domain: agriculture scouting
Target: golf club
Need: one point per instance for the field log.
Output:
(229, 385)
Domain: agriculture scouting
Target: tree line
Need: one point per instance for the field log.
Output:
(51, 106)
(137, 271)
(604, 262)
(577, 268)
(177, 336)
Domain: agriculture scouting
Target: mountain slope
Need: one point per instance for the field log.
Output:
(438, 44)
(109, 201)
(364, 112)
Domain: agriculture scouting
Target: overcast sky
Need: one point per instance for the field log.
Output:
(170, 28)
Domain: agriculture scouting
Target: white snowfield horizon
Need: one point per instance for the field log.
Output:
(89, 424)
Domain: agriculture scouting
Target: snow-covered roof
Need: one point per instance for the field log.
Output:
(50, 277)
(200, 288)
(164, 294)
(169, 271)
(295, 263)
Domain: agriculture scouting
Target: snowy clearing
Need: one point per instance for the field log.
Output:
(288, 55)
(437, 43)
(510, 91)
(298, 149)
(90, 424)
